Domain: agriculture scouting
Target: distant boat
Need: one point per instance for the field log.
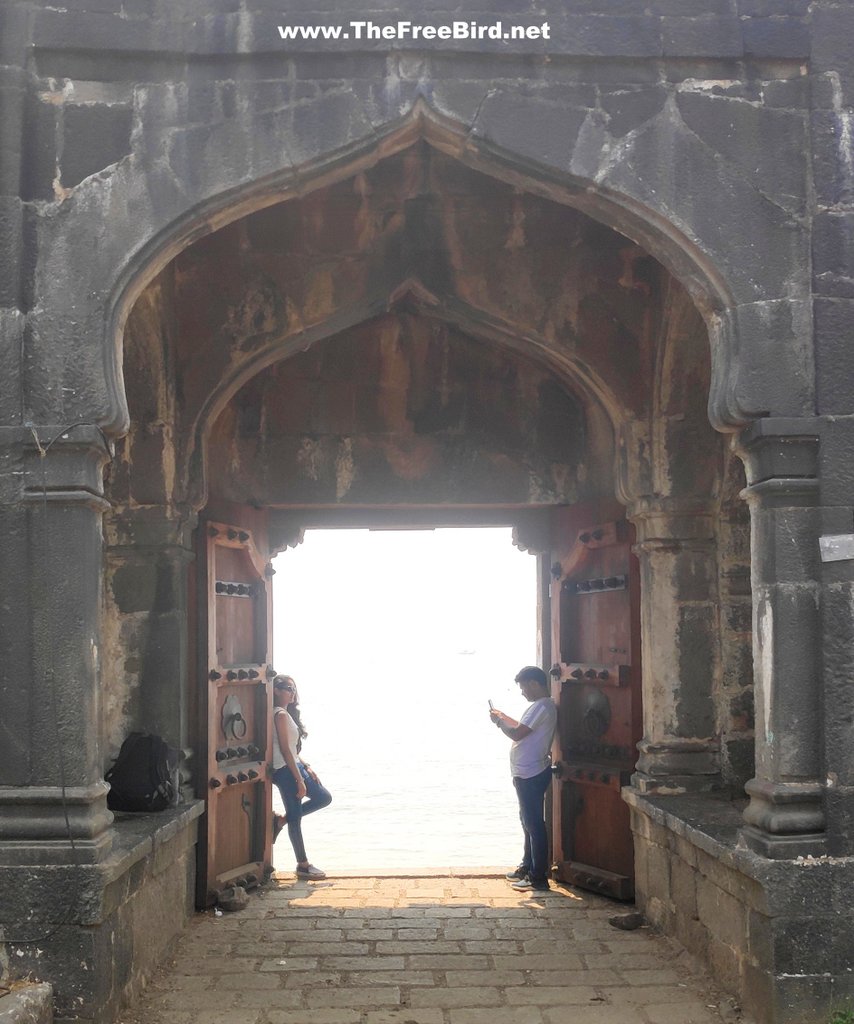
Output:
(466, 652)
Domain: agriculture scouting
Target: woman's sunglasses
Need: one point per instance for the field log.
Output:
(283, 686)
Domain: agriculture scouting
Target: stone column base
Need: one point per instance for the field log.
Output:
(677, 766)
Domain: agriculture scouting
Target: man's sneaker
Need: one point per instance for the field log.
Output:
(311, 873)
(517, 874)
(524, 884)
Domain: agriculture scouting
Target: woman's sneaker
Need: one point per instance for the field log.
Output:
(517, 874)
(310, 872)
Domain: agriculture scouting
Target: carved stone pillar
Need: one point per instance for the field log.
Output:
(785, 817)
(148, 556)
(52, 793)
(680, 649)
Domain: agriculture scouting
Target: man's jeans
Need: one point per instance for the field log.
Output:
(531, 793)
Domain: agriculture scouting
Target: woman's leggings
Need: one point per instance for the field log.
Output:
(317, 796)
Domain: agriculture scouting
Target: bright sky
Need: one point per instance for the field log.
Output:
(397, 639)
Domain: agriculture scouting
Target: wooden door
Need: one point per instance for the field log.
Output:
(236, 710)
(596, 683)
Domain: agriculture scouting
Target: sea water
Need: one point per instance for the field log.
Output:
(397, 643)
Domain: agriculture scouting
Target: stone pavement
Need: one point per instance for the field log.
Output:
(430, 950)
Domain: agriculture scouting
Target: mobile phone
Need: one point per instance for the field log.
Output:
(491, 707)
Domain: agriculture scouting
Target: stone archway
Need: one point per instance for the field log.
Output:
(407, 266)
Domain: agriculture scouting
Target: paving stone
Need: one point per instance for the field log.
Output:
(499, 1015)
(492, 946)
(591, 976)
(295, 963)
(243, 982)
(307, 979)
(683, 1013)
(592, 1015)
(648, 995)
(656, 976)
(276, 999)
(481, 995)
(324, 1016)
(404, 1015)
(352, 996)
(228, 1016)
(497, 978)
(469, 932)
(428, 962)
(308, 934)
(364, 963)
(207, 999)
(341, 948)
(565, 995)
(392, 978)
(541, 962)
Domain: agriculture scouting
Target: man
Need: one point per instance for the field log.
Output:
(530, 766)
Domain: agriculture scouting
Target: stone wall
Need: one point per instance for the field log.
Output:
(117, 920)
(768, 931)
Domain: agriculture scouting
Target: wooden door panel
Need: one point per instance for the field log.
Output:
(596, 684)
(236, 710)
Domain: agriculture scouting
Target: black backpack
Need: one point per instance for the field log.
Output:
(141, 776)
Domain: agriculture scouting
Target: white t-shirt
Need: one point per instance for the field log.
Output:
(293, 736)
(532, 754)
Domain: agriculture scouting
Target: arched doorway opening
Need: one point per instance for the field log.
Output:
(399, 638)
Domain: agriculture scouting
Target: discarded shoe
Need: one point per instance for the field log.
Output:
(517, 874)
(626, 922)
(233, 898)
(311, 873)
(526, 883)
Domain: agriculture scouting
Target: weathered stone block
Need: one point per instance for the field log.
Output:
(769, 8)
(508, 114)
(628, 109)
(833, 253)
(658, 879)
(706, 36)
(30, 1004)
(725, 124)
(683, 889)
(787, 550)
(722, 914)
(38, 168)
(834, 384)
(779, 36)
(832, 176)
(725, 964)
(832, 28)
(837, 473)
(11, 229)
(94, 137)
(693, 934)
(739, 763)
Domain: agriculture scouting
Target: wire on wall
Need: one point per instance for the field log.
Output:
(49, 679)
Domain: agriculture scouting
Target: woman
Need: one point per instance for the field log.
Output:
(294, 779)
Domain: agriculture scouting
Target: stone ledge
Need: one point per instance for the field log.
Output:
(143, 846)
(28, 1004)
(137, 835)
(712, 824)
